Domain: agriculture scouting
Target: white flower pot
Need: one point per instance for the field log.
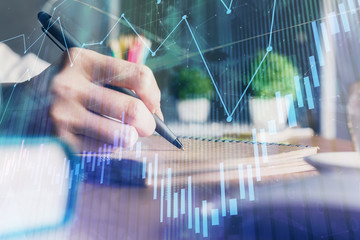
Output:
(193, 110)
(264, 110)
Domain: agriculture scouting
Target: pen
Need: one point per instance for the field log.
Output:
(67, 41)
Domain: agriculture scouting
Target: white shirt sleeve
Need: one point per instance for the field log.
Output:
(14, 68)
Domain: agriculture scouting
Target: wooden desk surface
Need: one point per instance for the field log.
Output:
(326, 145)
(120, 212)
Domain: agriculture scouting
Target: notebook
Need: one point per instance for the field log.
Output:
(203, 159)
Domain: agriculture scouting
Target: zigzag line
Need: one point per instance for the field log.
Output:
(26, 49)
(228, 8)
(153, 52)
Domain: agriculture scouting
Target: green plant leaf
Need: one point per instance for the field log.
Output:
(191, 83)
(275, 75)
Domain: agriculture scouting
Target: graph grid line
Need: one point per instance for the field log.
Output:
(72, 60)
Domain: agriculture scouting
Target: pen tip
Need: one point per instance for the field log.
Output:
(178, 144)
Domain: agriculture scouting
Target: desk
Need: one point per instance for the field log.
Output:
(112, 212)
(326, 145)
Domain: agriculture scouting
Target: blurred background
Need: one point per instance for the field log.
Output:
(260, 70)
(302, 84)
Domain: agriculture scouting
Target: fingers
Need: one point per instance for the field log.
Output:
(80, 122)
(159, 113)
(77, 92)
(140, 79)
(105, 130)
(130, 110)
(80, 143)
(136, 77)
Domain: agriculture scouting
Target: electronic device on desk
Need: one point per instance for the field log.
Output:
(38, 184)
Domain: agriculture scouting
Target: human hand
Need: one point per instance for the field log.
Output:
(80, 100)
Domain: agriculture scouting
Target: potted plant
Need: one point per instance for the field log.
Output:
(276, 74)
(192, 88)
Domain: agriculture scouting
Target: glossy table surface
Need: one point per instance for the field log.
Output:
(115, 211)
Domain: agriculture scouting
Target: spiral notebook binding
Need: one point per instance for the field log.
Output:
(243, 141)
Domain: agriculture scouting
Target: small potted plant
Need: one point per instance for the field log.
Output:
(276, 74)
(192, 88)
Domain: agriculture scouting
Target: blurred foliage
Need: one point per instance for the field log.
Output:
(276, 74)
(189, 83)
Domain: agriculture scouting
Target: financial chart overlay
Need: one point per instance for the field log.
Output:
(224, 42)
(232, 76)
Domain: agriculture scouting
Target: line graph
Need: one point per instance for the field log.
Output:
(229, 112)
(27, 72)
(26, 49)
(227, 7)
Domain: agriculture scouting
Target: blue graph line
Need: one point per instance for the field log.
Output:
(222, 190)
(292, 114)
(83, 160)
(168, 193)
(344, 17)
(256, 155)
(184, 18)
(197, 220)
(263, 146)
(308, 92)
(153, 53)
(144, 168)
(272, 25)
(228, 8)
(215, 217)
(299, 95)
(204, 219)
(93, 163)
(241, 182)
(71, 178)
(155, 175)
(189, 204)
(68, 53)
(59, 5)
(23, 35)
(207, 67)
(182, 201)
(176, 205)
(102, 171)
(250, 183)
(233, 206)
(318, 44)
(247, 87)
(314, 71)
(12, 92)
(162, 201)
